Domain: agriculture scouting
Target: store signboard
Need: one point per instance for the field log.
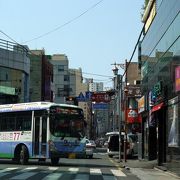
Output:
(141, 104)
(133, 116)
(7, 90)
(133, 91)
(177, 78)
(100, 97)
(173, 126)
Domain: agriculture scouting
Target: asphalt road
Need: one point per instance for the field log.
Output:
(100, 167)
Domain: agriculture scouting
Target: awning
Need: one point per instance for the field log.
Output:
(157, 107)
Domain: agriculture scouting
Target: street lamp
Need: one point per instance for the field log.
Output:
(118, 89)
(125, 130)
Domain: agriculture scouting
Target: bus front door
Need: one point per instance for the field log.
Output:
(40, 137)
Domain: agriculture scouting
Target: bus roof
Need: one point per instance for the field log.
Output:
(30, 106)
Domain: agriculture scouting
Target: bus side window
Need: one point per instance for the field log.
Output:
(10, 123)
(19, 123)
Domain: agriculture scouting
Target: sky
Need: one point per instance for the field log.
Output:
(94, 34)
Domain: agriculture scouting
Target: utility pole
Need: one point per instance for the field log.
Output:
(118, 89)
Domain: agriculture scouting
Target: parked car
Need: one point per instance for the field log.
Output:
(100, 142)
(90, 147)
(106, 144)
(113, 144)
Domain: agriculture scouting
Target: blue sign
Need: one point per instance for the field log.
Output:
(81, 97)
(88, 94)
(100, 106)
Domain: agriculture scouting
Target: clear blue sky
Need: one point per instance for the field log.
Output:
(92, 40)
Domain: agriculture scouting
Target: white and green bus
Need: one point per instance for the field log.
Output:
(41, 130)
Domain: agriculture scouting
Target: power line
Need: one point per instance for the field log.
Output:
(96, 74)
(9, 37)
(65, 24)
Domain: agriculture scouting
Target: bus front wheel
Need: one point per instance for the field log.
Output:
(54, 161)
(23, 157)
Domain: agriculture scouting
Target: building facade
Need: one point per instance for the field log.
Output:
(14, 73)
(160, 72)
(41, 77)
(61, 77)
(95, 86)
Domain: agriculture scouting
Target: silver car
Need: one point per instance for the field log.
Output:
(90, 146)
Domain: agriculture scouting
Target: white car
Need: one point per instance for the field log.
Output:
(90, 146)
(113, 144)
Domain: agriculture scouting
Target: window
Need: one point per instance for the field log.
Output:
(60, 68)
(66, 78)
(19, 121)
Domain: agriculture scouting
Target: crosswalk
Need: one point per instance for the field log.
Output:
(55, 173)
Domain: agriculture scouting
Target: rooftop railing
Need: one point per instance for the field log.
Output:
(18, 48)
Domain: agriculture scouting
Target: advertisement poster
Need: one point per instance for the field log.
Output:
(173, 140)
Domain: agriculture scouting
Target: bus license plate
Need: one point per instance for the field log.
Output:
(72, 156)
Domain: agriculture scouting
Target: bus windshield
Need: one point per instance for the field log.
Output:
(66, 122)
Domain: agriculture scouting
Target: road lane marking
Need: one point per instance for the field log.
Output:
(53, 176)
(95, 171)
(24, 175)
(7, 169)
(52, 168)
(73, 170)
(28, 169)
(118, 173)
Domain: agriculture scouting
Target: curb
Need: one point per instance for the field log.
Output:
(166, 171)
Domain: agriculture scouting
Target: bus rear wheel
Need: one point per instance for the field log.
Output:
(23, 156)
(54, 161)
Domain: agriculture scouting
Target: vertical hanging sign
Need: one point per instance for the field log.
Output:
(177, 79)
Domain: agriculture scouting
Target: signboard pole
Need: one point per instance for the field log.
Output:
(119, 112)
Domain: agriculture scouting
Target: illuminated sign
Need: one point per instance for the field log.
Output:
(141, 104)
(65, 110)
(177, 79)
(100, 97)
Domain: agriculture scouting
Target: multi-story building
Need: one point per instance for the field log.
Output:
(41, 77)
(131, 96)
(95, 86)
(61, 77)
(160, 71)
(14, 73)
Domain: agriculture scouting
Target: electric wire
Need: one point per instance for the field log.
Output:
(66, 23)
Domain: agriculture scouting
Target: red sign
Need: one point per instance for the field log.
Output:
(100, 97)
(133, 116)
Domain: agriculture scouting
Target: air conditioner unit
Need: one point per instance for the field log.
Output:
(136, 82)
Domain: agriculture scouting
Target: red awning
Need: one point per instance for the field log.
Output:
(157, 107)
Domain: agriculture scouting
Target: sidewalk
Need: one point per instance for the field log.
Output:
(145, 169)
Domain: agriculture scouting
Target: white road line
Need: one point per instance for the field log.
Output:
(82, 177)
(28, 169)
(24, 175)
(73, 170)
(7, 169)
(53, 176)
(95, 171)
(117, 173)
(52, 168)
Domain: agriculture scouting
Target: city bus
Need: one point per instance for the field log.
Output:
(41, 130)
